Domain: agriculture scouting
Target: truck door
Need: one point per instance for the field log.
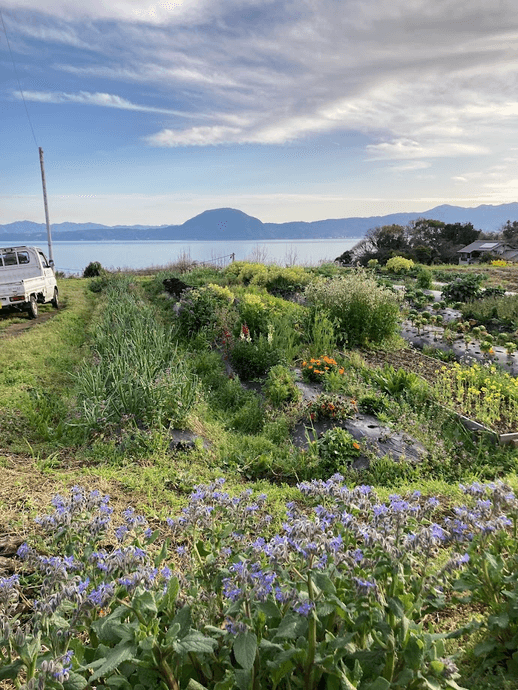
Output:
(48, 274)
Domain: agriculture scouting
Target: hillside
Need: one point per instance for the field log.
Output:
(232, 224)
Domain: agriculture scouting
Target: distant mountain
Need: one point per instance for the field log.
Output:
(231, 224)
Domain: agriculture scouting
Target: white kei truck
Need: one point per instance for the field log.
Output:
(26, 280)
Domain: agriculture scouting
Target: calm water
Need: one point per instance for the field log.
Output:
(72, 257)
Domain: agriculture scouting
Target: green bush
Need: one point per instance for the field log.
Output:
(499, 311)
(252, 359)
(202, 309)
(336, 448)
(398, 264)
(280, 387)
(424, 278)
(93, 270)
(361, 310)
(283, 280)
(463, 289)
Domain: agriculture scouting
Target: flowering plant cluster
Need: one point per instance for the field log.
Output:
(483, 392)
(327, 406)
(337, 597)
(315, 370)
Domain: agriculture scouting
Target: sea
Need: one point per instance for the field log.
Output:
(73, 257)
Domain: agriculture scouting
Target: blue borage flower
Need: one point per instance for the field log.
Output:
(348, 535)
(8, 590)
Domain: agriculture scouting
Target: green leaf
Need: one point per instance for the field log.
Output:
(118, 682)
(168, 600)
(404, 678)
(396, 606)
(270, 609)
(245, 648)
(243, 679)
(109, 629)
(291, 627)
(194, 685)
(195, 642)
(163, 551)
(112, 660)
(183, 621)
(145, 604)
(75, 682)
(413, 653)
(502, 621)
(12, 670)
(324, 583)
(484, 648)
(379, 684)
(227, 683)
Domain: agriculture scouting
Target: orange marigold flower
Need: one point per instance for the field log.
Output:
(356, 445)
(341, 371)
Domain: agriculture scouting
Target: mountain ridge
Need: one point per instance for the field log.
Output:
(233, 224)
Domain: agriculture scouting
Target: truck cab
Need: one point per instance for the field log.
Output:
(26, 279)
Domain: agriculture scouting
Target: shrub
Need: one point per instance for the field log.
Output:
(424, 278)
(327, 406)
(498, 311)
(280, 387)
(93, 270)
(336, 448)
(202, 309)
(252, 358)
(463, 289)
(283, 280)
(361, 310)
(398, 264)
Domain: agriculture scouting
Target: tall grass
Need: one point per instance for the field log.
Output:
(136, 372)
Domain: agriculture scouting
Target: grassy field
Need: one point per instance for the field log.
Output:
(89, 395)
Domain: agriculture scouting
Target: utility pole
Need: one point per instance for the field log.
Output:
(49, 237)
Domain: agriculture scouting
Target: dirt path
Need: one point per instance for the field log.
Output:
(16, 329)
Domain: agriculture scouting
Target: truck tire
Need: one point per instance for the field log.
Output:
(55, 299)
(33, 308)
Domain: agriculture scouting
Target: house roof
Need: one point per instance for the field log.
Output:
(482, 246)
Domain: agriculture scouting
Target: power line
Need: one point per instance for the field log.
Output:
(17, 78)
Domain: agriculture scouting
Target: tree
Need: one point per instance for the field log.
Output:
(435, 241)
(381, 243)
(509, 232)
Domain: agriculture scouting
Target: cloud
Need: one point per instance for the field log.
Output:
(196, 136)
(105, 100)
(421, 81)
(135, 11)
(407, 148)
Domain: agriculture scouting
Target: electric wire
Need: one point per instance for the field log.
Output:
(17, 78)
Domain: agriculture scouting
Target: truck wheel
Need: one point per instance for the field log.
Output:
(33, 308)
(55, 299)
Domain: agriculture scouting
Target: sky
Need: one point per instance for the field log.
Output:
(152, 112)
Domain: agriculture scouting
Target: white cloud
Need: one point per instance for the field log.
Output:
(407, 148)
(196, 136)
(423, 81)
(106, 100)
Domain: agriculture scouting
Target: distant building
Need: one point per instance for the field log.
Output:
(472, 253)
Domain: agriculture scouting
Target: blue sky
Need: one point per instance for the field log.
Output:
(152, 112)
